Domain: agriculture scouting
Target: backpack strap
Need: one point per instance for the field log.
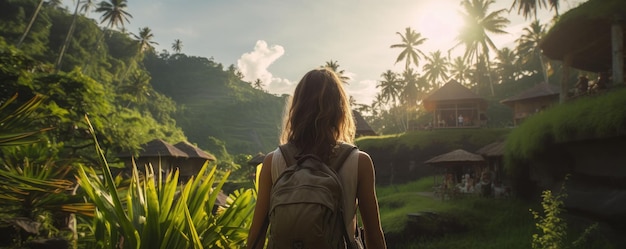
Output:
(344, 151)
(289, 153)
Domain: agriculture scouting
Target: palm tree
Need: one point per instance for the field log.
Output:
(528, 47)
(436, 69)
(506, 65)
(87, 6)
(258, 84)
(459, 70)
(333, 65)
(410, 93)
(479, 22)
(528, 7)
(68, 37)
(410, 41)
(177, 46)
(114, 12)
(390, 87)
(30, 24)
(138, 90)
(144, 38)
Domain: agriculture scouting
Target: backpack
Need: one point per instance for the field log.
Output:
(306, 202)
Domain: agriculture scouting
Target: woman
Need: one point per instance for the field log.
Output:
(317, 119)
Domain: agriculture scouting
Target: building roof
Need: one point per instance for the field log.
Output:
(193, 151)
(452, 91)
(492, 149)
(539, 90)
(158, 147)
(455, 156)
(584, 33)
(362, 127)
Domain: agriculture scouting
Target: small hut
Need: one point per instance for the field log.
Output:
(458, 163)
(531, 101)
(156, 153)
(493, 154)
(195, 160)
(362, 127)
(455, 106)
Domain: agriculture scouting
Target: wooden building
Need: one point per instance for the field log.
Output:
(531, 101)
(589, 37)
(195, 160)
(155, 153)
(455, 106)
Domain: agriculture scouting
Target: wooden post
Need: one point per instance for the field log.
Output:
(617, 42)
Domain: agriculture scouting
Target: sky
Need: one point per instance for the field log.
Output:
(278, 41)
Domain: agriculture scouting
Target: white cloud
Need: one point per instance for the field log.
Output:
(254, 65)
(363, 91)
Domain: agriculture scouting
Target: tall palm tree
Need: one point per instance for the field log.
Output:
(177, 46)
(30, 24)
(144, 38)
(436, 69)
(530, 7)
(459, 70)
(333, 65)
(114, 13)
(506, 65)
(87, 6)
(410, 93)
(410, 51)
(68, 37)
(529, 50)
(478, 22)
(390, 87)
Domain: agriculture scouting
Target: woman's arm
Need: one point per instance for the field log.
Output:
(259, 224)
(368, 203)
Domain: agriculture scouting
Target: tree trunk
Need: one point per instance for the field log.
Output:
(617, 42)
(68, 37)
(30, 24)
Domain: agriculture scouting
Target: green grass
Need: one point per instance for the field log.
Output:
(487, 222)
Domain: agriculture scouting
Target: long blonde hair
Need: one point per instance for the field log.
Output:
(318, 115)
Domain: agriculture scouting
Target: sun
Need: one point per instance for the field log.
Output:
(440, 23)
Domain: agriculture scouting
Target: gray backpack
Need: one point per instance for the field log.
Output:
(306, 202)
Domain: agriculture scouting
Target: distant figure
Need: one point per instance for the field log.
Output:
(460, 120)
(602, 81)
(582, 85)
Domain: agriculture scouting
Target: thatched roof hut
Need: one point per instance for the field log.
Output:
(589, 37)
(454, 105)
(362, 127)
(156, 153)
(458, 162)
(456, 156)
(196, 159)
(532, 100)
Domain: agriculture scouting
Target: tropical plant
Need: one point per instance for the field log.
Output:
(30, 24)
(114, 13)
(459, 70)
(410, 51)
(155, 212)
(333, 65)
(144, 38)
(177, 46)
(529, 51)
(436, 69)
(86, 6)
(34, 189)
(530, 7)
(478, 22)
(68, 37)
(390, 87)
(507, 66)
